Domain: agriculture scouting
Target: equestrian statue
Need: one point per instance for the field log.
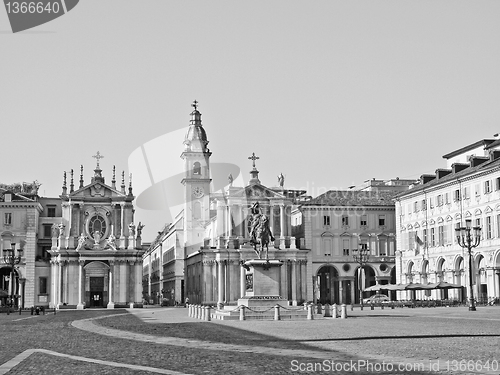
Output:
(260, 233)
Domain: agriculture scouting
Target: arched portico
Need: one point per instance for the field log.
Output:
(6, 286)
(367, 280)
(96, 284)
(327, 282)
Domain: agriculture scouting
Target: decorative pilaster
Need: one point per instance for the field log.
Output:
(111, 304)
(80, 305)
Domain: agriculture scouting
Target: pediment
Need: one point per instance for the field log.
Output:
(488, 210)
(96, 190)
(256, 191)
(440, 220)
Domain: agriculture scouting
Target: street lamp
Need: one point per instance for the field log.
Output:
(468, 241)
(361, 257)
(11, 259)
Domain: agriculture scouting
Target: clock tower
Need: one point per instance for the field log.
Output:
(196, 181)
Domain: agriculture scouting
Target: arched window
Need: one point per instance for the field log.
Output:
(196, 168)
(97, 224)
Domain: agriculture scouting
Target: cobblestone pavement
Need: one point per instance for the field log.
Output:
(166, 340)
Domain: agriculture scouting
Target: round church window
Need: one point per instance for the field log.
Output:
(346, 267)
(383, 267)
(97, 224)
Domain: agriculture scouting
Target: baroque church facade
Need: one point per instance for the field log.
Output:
(199, 256)
(79, 250)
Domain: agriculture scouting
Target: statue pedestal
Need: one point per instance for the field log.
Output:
(262, 283)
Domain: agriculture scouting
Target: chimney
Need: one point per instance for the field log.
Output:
(494, 154)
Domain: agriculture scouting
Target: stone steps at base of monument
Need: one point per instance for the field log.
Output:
(268, 315)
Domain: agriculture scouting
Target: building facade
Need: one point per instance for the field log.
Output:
(338, 222)
(428, 213)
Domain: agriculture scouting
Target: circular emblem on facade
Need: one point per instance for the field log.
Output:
(346, 267)
(198, 192)
(383, 267)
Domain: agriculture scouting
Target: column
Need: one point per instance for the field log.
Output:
(111, 304)
(53, 277)
(303, 278)
(243, 282)
(122, 292)
(243, 222)
(282, 220)
(288, 218)
(80, 305)
(271, 218)
(352, 293)
(60, 294)
(229, 222)
(122, 229)
(233, 268)
(341, 292)
(131, 282)
(138, 282)
(294, 282)
(221, 284)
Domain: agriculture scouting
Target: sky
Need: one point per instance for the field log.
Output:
(329, 93)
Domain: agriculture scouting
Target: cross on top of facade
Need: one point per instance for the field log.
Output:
(98, 156)
(195, 105)
(253, 158)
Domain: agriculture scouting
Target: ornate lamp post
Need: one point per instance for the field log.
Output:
(361, 257)
(11, 259)
(469, 237)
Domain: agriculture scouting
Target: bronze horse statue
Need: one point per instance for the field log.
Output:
(262, 236)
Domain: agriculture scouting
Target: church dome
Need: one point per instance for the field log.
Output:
(196, 137)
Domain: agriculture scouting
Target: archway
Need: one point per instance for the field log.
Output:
(327, 285)
(5, 287)
(479, 276)
(368, 280)
(460, 279)
(440, 270)
(96, 284)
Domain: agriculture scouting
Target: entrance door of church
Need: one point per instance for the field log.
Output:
(96, 291)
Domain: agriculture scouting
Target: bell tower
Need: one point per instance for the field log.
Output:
(196, 181)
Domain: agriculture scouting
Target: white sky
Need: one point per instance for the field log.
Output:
(329, 93)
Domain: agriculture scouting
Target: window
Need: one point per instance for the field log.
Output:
(489, 228)
(424, 235)
(433, 237)
(478, 190)
(424, 205)
(456, 195)
(345, 221)
(42, 283)
(363, 221)
(478, 222)
(47, 230)
(51, 211)
(497, 183)
(8, 197)
(381, 220)
(466, 192)
(487, 187)
(7, 218)
(447, 198)
(346, 247)
(411, 240)
(441, 235)
(97, 224)
(196, 168)
(439, 200)
(431, 202)
(326, 220)
(415, 207)
(363, 246)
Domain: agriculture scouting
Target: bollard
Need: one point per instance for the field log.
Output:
(196, 311)
(190, 310)
(277, 312)
(327, 311)
(334, 311)
(32, 308)
(343, 313)
(382, 306)
(203, 312)
(352, 307)
(208, 316)
(310, 315)
(392, 305)
(242, 312)
(43, 309)
(319, 309)
(371, 306)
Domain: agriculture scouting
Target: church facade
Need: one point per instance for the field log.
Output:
(200, 256)
(95, 253)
